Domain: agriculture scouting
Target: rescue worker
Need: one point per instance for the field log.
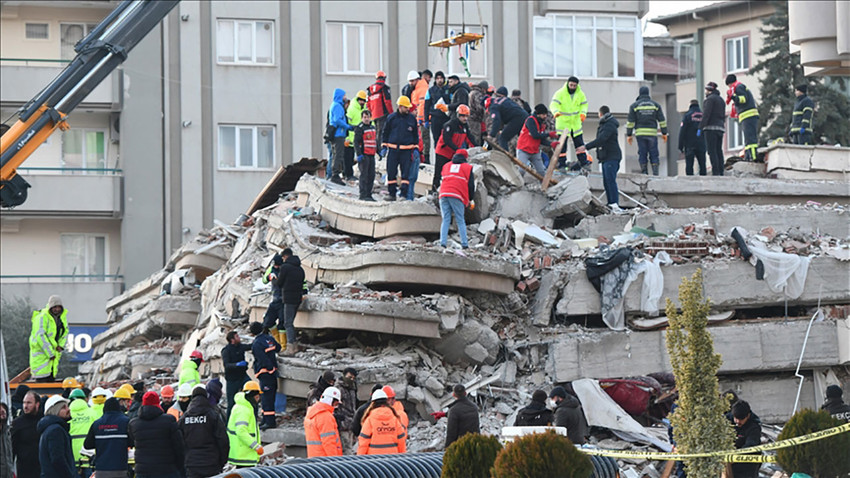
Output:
(744, 108)
(189, 372)
(835, 405)
(293, 287)
(382, 432)
(462, 416)
(68, 385)
(435, 109)
(400, 140)
(205, 436)
(398, 407)
(478, 97)
(457, 188)
(412, 80)
(242, 429)
(365, 149)
(108, 437)
(327, 379)
(124, 397)
(54, 444)
(357, 422)
(801, 120)
(458, 93)
(47, 339)
(507, 116)
(265, 349)
(455, 136)
(235, 366)
(418, 100)
(166, 395)
(184, 395)
(645, 119)
(98, 398)
(274, 312)
(689, 142)
(159, 446)
(609, 155)
(136, 404)
(82, 418)
(533, 132)
(747, 434)
(25, 437)
(712, 126)
(535, 414)
(320, 427)
(569, 106)
(353, 115)
(516, 96)
(380, 103)
(569, 414)
(337, 120)
(344, 413)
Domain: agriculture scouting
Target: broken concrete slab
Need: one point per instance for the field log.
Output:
(141, 291)
(128, 364)
(371, 219)
(203, 258)
(551, 284)
(165, 316)
(295, 375)
(499, 170)
(525, 205)
(472, 342)
(773, 396)
(791, 161)
(723, 281)
(570, 197)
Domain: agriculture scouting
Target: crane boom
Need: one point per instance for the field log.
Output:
(98, 54)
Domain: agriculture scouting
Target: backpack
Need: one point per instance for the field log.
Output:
(330, 131)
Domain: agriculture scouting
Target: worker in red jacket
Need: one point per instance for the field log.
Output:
(533, 132)
(455, 133)
(379, 103)
(456, 192)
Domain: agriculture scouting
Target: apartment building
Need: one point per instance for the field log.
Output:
(221, 94)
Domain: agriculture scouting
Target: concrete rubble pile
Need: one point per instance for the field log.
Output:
(513, 313)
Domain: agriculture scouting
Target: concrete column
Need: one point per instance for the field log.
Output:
(209, 155)
(316, 78)
(173, 137)
(287, 121)
(188, 92)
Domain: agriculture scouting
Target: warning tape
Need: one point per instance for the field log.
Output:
(733, 456)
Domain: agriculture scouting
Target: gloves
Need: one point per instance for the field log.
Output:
(242, 364)
(427, 124)
(471, 208)
(347, 143)
(664, 137)
(359, 158)
(629, 140)
(443, 108)
(384, 152)
(438, 415)
(485, 146)
(699, 133)
(802, 130)
(554, 145)
(553, 134)
(583, 117)
(260, 451)
(416, 155)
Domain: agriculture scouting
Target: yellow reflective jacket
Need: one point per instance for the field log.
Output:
(81, 419)
(243, 433)
(189, 373)
(44, 342)
(571, 108)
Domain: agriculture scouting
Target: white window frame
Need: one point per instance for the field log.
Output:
(734, 135)
(549, 21)
(84, 167)
(87, 28)
(235, 41)
(738, 43)
(88, 237)
(46, 24)
(236, 148)
(361, 70)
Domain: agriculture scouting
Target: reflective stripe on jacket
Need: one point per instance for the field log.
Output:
(804, 107)
(81, 420)
(44, 342)
(645, 118)
(382, 433)
(189, 373)
(452, 138)
(379, 102)
(243, 433)
(321, 431)
(353, 114)
(744, 102)
(571, 108)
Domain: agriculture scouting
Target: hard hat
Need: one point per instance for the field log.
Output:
(121, 393)
(463, 110)
(404, 101)
(380, 74)
(167, 392)
(185, 390)
(251, 386)
(196, 355)
(330, 394)
(53, 400)
(389, 391)
(71, 382)
(127, 387)
(379, 395)
(77, 393)
(412, 75)
(98, 391)
(361, 94)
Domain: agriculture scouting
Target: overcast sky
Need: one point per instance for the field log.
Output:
(659, 8)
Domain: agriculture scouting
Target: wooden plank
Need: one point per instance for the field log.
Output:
(553, 161)
(492, 142)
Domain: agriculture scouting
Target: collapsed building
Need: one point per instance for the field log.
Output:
(516, 311)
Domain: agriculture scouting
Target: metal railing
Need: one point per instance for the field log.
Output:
(74, 171)
(35, 61)
(67, 278)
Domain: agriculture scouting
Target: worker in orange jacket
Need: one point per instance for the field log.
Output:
(382, 432)
(320, 426)
(398, 407)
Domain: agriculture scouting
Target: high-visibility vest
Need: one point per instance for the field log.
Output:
(382, 433)
(189, 373)
(81, 419)
(243, 433)
(571, 108)
(321, 431)
(44, 342)
(353, 113)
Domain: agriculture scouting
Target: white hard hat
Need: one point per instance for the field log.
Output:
(98, 391)
(379, 395)
(53, 400)
(330, 394)
(185, 390)
(413, 75)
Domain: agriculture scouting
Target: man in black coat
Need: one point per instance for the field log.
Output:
(235, 366)
(357, 421)
(459, 94)
(747, 434)
(18, 400)
(535, 414)
(292, 285)
(712, 126)
(205, 436)
(690, 142)
(608, 154)
(801, 120)
(462, 416)
(54, 444)
(835, 405)
(507, 116)
(108, 438)
(25, 437)
(159, 445)
(568, 414)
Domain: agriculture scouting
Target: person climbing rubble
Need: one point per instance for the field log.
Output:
(507, 117)
(569, 106)
(608, 153)
(462, 416)
(645, 119)
(569, 414)
(532, 134)
(535, 414)
(189, 371)
(457, 188)
(327, 379)
(382, 432)
(47, 339)
(242, 430)
(454, 136)
(274, 312)
(320, 426)
(235, 366)
(265, 349)
(835, 405)
(293, 287)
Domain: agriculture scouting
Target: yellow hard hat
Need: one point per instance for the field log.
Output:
(122, 393)
(71, 382)
(251, 386)
(404, 101)
(129, 388)
(361, 94)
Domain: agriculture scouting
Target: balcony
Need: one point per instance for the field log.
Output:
(23, 78)
(84, 296)
(80, 192)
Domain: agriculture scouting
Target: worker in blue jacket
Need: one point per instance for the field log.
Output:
(338, 120)
(265, 349)
(505, 112)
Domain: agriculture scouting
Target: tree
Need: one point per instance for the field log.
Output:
(822, 458)
(542, 455)
(472, 456)
(699, 424)
(781, 72)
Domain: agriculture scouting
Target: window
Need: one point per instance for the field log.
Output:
(84, 149)
(686, 56)
(245, 42)
(37, 31)
(246, 147)
(71, 34)
(353, 48)
(738, 53)
(734, 135)
(587, 46)
(84, 255)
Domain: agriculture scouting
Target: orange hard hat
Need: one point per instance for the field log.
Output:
(380, 74)
(463, 110)
(167, 392)
(389, 391)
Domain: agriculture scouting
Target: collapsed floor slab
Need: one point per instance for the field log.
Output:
(792, 161)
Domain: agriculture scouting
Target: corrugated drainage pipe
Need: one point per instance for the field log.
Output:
(408, 465)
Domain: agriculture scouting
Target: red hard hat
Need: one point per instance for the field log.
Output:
(196, 355)
(463, 110)
(389, 391)
(380, 74)
(167, 391)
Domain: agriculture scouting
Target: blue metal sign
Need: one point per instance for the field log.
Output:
(79, 345)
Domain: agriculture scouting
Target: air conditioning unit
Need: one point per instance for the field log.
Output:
(115, 127)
